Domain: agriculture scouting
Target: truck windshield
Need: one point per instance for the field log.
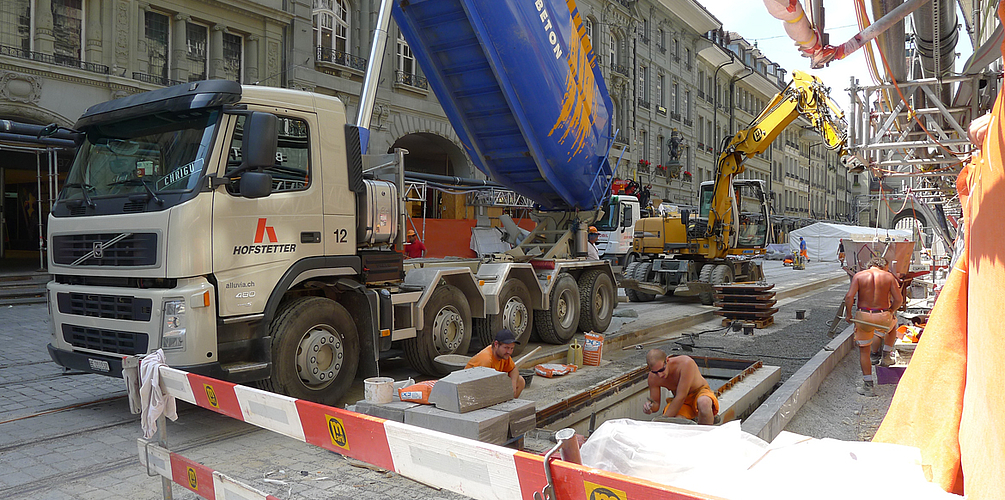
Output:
(162, 153)
(611, 216)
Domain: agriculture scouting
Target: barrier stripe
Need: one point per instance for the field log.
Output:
(205, 482)
(465, 466)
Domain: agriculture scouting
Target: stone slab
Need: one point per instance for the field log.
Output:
(471, 389)
(522, 415)
(489, 426)
(395, 410)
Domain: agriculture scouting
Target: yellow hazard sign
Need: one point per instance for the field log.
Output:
(598, 492)
(211, 396)
(337, 432)
(193, 480)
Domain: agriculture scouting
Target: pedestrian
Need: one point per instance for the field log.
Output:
(802, 250)
(592, 253)
(499, 356)
(692, 397)
(878, 294)
(414, 247)
(841, 252)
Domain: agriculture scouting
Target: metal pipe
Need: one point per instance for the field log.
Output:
(48, 141)
(916, 144)
(38, 199)
(824, 56)
(570, 445)
(450, 179)
(368, 94)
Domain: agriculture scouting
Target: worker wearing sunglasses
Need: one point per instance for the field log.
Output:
(693, 399)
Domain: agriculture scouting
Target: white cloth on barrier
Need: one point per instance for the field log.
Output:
(153, 401)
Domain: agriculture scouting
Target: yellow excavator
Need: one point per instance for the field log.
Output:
(732, 225)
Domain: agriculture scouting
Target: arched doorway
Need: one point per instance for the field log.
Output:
(433, 154)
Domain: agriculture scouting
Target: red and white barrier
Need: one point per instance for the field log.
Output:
(469, 467)
(194, 476)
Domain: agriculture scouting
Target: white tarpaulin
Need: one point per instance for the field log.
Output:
(822, 238)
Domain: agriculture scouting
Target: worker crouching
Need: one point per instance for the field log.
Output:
(693, 399)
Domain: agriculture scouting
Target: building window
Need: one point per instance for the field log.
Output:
(156, 29)
(590, 25)
(67, 28)
(612, 49)
(406, 60)
(15, 23)
(661, 38)
(196, 36)
(687, 58)
(659, 91)
(676, 101)
(643, 84)
(687, 105)
(644, 142)
(233, 59)
(331, 26)
(661, 150)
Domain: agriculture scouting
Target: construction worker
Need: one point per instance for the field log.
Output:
(499, 356)
(841, 252)
(414, 247)
(802, 250)
(591, 244)
(878, 294)
(693, 399)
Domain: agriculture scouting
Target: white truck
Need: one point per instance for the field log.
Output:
(242, 230)
(616, 229)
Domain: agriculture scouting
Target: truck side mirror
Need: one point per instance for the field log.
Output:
(685, 217)
(256, 184)
(260, 142)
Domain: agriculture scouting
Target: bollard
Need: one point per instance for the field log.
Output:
(570, 445)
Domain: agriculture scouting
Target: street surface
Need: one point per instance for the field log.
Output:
(71, 436)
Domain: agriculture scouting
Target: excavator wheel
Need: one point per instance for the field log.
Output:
(721, 275)
(705, 276)
(642, 274)
(629, 273)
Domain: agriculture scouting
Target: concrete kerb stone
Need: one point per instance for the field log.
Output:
(627, 336)
(771, 417)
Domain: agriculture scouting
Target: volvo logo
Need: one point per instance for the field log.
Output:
(98, 248)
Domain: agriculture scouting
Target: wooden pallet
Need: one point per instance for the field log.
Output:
(745, 306)
(758, 323)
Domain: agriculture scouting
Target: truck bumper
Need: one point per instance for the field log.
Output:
(93, 363)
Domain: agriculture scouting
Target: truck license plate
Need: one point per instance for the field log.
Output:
(99, 365)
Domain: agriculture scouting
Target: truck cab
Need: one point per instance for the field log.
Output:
(617, 228)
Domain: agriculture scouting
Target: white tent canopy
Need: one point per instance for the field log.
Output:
(822, 238)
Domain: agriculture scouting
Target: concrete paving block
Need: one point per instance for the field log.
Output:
(485, 425)
(395, 410)
(471, 389)
(522, 415)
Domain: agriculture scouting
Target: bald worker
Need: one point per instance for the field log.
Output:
(878, 294)
(693, 399)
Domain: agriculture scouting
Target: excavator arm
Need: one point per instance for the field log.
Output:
(805, 96)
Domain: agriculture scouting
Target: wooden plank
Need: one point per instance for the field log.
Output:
(741, 306)
(744, 286)
(744, 298)
(747, 314)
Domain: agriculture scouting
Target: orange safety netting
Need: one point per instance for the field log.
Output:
(950, 402)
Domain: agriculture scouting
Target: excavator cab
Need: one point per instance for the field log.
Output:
(751, 225)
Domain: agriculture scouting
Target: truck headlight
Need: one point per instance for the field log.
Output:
(173, 327)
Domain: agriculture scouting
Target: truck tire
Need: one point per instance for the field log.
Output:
(642, 274)
(721, 275)
(705, 276)
(515, 313)
(596, 301)
(315, 350)
(560, 322)
(633, 296)
(446, 329)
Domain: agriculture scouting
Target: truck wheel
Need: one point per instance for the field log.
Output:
(515, 313)
(633, 296)
(642, 274)
(315, 351)
(705, 276)
(596, 301)
(558, 324)
(446, 329)
(722, 275)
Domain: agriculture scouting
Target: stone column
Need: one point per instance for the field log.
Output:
(251, 57)
(92, 46)
(44, 38)
(179, 51)
(216, 51)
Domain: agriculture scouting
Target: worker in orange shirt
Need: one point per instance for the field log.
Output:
(414, 247)
(499, 356)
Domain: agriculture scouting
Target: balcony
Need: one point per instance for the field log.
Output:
(619, 69)
(675, 115)
(644, 38)
(661, 48)
(624, 3)
(411, 80)
(701, 94)
(622, 141)
(156, 80)
(701, 145)
(688, 122)
(55, 59)
(644, 104)
(676, 58)
(687, 67)
(341, 58)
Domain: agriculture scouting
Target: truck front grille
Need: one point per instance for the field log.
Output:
(137, 249)
(110, 341)
(104, 306)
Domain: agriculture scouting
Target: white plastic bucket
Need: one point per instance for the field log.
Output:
(378, 390)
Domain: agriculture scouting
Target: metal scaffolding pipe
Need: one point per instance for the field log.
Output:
(825, 55)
